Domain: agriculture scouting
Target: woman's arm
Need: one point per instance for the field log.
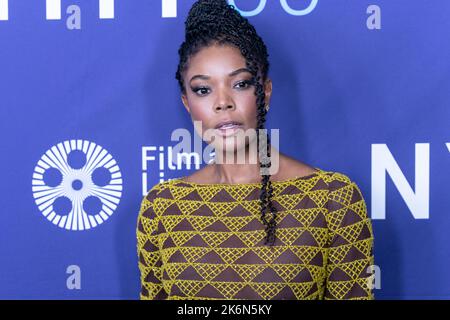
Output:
(350, 251)
(148, 251)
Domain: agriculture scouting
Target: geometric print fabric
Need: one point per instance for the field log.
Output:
(206, 241)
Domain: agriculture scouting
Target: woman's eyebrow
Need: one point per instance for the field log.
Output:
(232, 74)
(235, 72)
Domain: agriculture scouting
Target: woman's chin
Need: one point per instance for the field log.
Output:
(230, 148)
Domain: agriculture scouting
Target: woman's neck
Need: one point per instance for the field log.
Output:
(230, 169)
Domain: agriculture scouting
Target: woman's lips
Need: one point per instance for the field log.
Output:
(228, 130)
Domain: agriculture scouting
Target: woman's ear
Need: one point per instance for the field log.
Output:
(268, 90)
(185, 103)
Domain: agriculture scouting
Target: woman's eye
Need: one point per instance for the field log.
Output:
(201, 91)
(243, 84)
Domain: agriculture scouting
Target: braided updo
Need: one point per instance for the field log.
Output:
(216, 22)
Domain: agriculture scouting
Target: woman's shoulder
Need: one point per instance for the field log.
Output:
(149, 202)
(337, 179)
(201, 176)
(342, 185)
(344, 192)
(292, 167)
(158, 190)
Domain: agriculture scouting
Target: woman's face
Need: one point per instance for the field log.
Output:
(218, 89)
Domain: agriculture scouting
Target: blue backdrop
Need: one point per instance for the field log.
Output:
(88, 102)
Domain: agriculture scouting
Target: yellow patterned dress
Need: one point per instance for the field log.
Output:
(206, 241)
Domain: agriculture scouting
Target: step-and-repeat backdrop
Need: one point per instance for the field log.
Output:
(89, 102)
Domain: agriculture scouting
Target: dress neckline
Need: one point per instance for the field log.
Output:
(290, 180)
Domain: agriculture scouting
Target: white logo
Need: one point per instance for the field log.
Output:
(418, 198)
(169, 8)
(77, 185)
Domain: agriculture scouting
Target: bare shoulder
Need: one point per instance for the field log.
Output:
(291, 168)
(200, 176)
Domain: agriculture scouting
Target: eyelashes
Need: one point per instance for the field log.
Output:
(204, 90)
(247, 83)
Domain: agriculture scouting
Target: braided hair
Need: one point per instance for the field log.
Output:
(216, 22)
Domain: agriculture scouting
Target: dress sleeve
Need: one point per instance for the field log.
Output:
(149, 256)
(350, 251)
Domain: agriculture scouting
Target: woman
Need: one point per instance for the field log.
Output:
(234, 230)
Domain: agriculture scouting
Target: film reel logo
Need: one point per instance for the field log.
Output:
(77, 185)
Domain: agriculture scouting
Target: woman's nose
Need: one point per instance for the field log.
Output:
(224, 101)
(224, 106)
